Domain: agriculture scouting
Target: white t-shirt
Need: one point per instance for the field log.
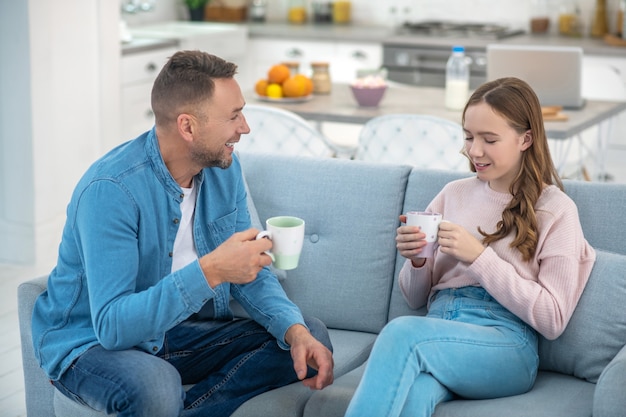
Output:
(184, 247)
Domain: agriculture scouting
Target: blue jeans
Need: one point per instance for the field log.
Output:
(468, 345)
(229, 362)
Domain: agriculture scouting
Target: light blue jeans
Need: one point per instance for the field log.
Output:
(229, 362)
(468, 346)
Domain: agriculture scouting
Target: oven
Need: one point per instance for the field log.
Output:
(423, 63)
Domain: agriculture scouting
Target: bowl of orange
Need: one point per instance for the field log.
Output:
(281, 84)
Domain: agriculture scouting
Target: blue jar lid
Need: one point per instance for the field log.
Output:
(458, 48)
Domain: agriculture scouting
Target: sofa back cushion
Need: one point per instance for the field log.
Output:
(600, 210)
(351, 212)
(597, 329)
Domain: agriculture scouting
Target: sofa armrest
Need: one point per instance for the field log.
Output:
(37, 388)
(609, 399)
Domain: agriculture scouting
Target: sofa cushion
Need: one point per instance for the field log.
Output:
(351, 350)
(338, 199)
(599, 210)
(597, 329)
(553, 395)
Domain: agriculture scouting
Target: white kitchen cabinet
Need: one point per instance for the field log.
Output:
(352, 57)
(345, 58)
(267, 52)
(138, 71)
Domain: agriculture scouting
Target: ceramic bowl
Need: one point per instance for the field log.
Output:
(368, 96)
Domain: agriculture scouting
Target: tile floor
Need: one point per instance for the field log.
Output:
(11, 377)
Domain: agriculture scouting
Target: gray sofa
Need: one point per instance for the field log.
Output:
(347, 278)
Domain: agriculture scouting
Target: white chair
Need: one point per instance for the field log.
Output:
(274, 130)
(414, 139)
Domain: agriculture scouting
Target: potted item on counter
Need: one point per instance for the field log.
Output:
(196, 9)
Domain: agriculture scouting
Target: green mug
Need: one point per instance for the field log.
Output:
(287, 236)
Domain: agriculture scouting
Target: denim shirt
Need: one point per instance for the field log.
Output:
(113, 284)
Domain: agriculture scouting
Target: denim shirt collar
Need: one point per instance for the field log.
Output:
(160, 169)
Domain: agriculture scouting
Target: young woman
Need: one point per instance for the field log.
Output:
(512, 262)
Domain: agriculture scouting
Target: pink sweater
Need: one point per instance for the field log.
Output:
(542, 292)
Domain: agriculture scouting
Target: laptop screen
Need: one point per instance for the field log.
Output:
(554, 72)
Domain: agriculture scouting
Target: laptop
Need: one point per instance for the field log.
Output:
(554, 72)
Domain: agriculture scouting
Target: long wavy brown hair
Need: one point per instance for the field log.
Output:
(517, 103)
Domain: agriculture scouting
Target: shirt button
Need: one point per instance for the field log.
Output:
(182, 196)
(171, 254)
(155, 349)
(176, 221)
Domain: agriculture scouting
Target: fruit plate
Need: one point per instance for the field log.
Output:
(284, 99)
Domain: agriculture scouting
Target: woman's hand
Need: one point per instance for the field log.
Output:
(454, 240)
(410, 241)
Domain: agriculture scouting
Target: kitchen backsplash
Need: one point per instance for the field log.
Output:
(514, 13)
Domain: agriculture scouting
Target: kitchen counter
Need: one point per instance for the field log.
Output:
(389, 35)
(320, 32)
(137, 45)
(340, 107)
(385, 35)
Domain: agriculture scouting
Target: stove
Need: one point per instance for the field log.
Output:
(440, 28)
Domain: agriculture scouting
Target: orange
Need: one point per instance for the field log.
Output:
(261, 87)
(274, 90)
(278, 73)
(307, 82)
(294, 87)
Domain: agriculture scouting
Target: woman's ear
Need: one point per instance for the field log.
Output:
(527, 140)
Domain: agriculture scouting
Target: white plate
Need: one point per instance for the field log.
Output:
(285, 99)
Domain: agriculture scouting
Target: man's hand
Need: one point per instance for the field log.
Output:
(306, 350)
(238, 260)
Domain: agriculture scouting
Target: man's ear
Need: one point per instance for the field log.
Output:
(186, 126)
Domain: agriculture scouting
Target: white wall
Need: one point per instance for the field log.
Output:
(57, 105)
(16, 165)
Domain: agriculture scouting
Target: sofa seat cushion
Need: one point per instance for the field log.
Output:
(597, 329)
(554, 395)
(351, 349)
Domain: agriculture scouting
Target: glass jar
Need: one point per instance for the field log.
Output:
(599, 24)
(294, 67)
(322, 11)
(539, 18)
(570, 23)
(619, 27)
(321, 78)
(296, 11)
(341, 12)
(257, 10)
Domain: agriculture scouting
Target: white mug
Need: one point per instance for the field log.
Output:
(287, 236)
(428, 224)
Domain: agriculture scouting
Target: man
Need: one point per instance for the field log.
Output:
(157, 240)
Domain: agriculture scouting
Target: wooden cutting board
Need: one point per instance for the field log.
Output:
(614, 40)
(553, 114)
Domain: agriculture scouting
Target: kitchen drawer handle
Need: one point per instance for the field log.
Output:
(359, 55)
(151, 67)
(294, 53)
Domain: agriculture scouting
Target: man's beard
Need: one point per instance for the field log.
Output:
(210, 159)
